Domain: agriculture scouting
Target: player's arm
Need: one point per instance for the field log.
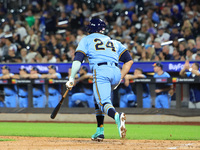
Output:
(126, 58)
(35, 76)
(194, 71)
(76, 65)
(25, 76)
(45, 76)
(128, 62)
(164, 89)
(182, 73)
(130, 77)
(83, 77)
(16, 76)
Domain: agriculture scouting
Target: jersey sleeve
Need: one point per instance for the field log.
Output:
(58, 75)
(82, 46)
(188, 74)
(121, 48)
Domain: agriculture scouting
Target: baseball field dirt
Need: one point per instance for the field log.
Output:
(52, 143)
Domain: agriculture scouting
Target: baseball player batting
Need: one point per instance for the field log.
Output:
(103, 54)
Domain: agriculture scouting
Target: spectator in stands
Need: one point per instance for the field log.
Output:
(8, 43)
(9, 90)
(196, 29)
(175, 43)
(54, 90)
(121, 19)
(30, 19)
(190, 55)
(21, 30)
(198, 42)
(176, 13)
(31, 54)
(187, 34)
(80, 35)
(165, 50)
(39, 98)
(157, 46)
(142, 35)
(50, 58)
(11, 57)
(86, 11)
(164, 36)
(192, 71)
(32, 39)
(119, 6)
(197, 58)
(162, 56)
(186, 25)
(151, 52)
(175, 33)
(176, 54)
(62, 21)
(132, 98)
(191, 45)
(132, 33)
(182, 48)
(163, 99)
(23, 54)
(190, 16)
(71, 53)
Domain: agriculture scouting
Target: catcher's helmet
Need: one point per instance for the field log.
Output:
(96, 25)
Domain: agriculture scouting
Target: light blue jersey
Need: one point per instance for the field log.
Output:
(54, 93)
(100, 48)
(103, 54)
(163, 99)
(10, 94)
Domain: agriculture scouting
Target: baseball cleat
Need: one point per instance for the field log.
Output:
(99, 135)
(120, 121)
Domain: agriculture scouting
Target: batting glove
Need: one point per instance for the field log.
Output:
(70, 83)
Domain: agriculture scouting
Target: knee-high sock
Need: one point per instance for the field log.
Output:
(99, 116)
(109, 110)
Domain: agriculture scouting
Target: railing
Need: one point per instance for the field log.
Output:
(176, 80)
(168, 66)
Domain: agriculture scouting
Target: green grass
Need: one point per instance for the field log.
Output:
(1, 140)
(75, 130)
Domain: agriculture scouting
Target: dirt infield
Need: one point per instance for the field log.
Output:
(52, 143)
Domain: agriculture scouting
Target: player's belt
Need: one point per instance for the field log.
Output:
(37, 96)
(52, 94)
(23, 96)
(161, 93)
(9, 95)
(105, 63)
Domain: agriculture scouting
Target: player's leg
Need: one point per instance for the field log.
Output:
(10, 101)
(123, 98)
(41, 100)
(102, 91)
(90, 100)
(80, 99)
(157, 101)
(147, 102)
(53, 100)
(131, 100)
(165, 101)
(99, 135)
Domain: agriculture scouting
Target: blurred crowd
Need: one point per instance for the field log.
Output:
(50, 30)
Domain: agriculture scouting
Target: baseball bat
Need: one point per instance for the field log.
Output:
(57, 108)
